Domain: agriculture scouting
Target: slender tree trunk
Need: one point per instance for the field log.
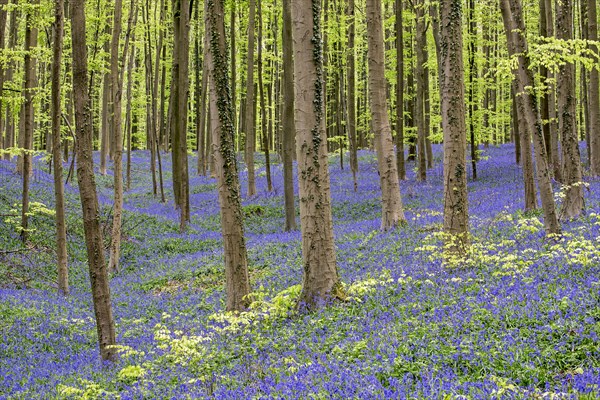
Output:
(12, 44)
(524, 145)
(232, 219)
(59, 189)
(554, 155)
(201, 125)
(179, 93)
(87, 187)
(392, 212)
(232, 35)
(517, 45)
(351, 90)
(518, 125)
(3, 16)
(263, 107)
(106, 99)
(31, 34)
(456, 213)
(399, 91)
(288, 118)
(128, 122)
(472, 76)
(116, 93)
(250, 124)
(320, 281)
(420, 45)
(593, 90)
(565, 88)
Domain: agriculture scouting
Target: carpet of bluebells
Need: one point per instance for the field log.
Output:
(519, 319)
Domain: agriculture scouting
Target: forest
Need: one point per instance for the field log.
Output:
(299, 199)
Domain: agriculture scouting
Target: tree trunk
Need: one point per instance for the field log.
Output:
(517, 45)
(106, 98)
(392, 212)
(456, 213)
(59, 188)
(12, 44)
(554, 155)
(593, 90)
(250, 124)
(31, 34)
(232, 219)
(87, 187)
(179, 93)
(567, 124)
(263, 107)
(320, 281)
(288, 118)
(201, 124)
(351, 90)
(117, 137)
(400, 91)
(524, 144)
(472, 95)
(420, 46)
(3, 15)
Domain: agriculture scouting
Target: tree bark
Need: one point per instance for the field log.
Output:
(524, 144)
(117, 137)
(420, 46)
(567, 124)
(222, 129)
(400, 91)
(392, 212)
(320, 281)
(179, 93)
(87, 186)
(472, 95)
(263, 107)
(288, 118)
(351, 100)
(517, 46)
(59, 188)
(250, 124)
(593, 90)
(456, 213)
(29, 64)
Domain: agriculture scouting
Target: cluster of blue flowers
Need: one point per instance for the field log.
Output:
(520, 319)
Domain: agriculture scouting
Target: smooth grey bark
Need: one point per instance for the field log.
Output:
(222, 130)
(573, 202)
(59, 187)
(392, 210)
(514, 28)
(320, 281)
(87, 187)
(456, 213)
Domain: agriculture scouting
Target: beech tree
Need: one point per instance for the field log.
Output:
(594, 90)
(320, 280)
(26, 134)
(94, 241)
(179, 95)
(117, 137)
(59, 188)
(392, 212)
(222, 131)
(565, 88)
(288, 118)
(250, 102)
(456, 214)
(514, 28)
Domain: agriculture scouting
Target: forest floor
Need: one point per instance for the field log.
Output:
(520, 319)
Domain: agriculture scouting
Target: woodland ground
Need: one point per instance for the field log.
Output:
(520, 320)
